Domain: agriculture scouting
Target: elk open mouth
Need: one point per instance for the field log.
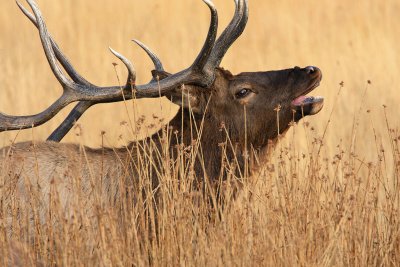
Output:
(308, 105)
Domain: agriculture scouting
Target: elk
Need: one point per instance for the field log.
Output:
(223, 116)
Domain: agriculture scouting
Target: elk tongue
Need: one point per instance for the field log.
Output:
(307, 105)
(299, 101)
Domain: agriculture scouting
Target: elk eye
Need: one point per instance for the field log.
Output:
(242, 93)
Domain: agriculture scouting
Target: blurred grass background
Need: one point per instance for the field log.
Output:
(351, 41)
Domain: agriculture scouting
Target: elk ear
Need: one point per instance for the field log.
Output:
(188, 97)
(159, 74)
(225, 73)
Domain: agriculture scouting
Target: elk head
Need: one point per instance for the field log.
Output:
(261, 103)
(255, 106)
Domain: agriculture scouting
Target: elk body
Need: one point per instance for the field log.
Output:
(223, 120)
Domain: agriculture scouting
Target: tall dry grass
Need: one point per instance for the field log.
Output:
(329, 195)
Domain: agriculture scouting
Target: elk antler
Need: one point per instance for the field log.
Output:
(201, 73)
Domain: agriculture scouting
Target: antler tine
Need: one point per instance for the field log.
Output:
(131, 70)
(48, 48)
(230, 34)
(75, 76)
(58, 134)
(205, 52)
(156, 61)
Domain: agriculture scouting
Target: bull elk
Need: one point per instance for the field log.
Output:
(223, 118)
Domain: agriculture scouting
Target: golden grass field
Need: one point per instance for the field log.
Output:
(335, 207)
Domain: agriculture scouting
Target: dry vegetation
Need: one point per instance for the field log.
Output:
(329, 195)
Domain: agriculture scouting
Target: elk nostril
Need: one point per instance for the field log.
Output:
(310, 69)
